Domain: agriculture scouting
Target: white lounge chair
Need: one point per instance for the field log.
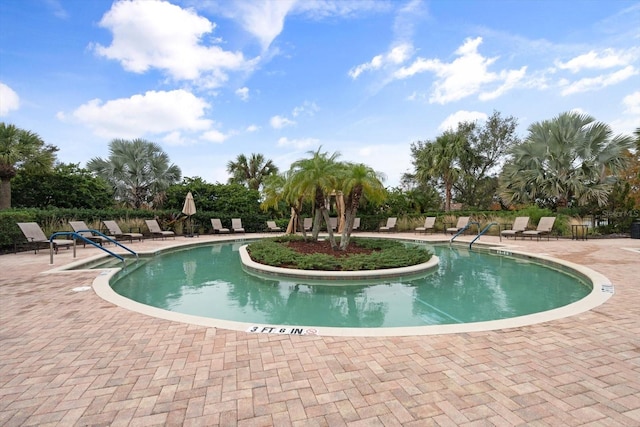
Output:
(217, 226)
(429, 225)
(155, 229)
(81, 228)
(544, 228)
(271, 226)
(463, 221)
(391, 224)
(36, 237)
(236, 225)
(520, 224)
(114, 230)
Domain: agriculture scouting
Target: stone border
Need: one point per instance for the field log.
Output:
(326, 277)
(602, 290)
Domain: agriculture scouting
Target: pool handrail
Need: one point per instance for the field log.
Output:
(465, 228)
(77, 236)
(484, 230)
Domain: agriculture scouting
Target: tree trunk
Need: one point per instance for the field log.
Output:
(5, 194)
(327, 220)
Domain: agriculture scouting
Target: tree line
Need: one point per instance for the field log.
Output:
(570, 161)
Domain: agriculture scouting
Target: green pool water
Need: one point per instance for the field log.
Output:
(467, 286)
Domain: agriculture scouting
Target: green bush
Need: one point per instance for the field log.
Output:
(386, 253)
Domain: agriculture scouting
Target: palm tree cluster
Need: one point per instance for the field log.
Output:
(138, 170)
(569, 159)
(316, 179)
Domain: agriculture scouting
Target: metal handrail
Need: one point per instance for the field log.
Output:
(462, 230)
(484, 230)
(78, 236)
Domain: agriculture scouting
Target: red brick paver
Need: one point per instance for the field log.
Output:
(72, 359)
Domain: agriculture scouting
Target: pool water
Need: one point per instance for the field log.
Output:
(467, 286)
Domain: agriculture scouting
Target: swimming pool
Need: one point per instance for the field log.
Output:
(469, 290)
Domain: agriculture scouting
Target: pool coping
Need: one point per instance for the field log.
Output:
(602, 290)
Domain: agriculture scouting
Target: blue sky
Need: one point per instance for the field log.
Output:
(209, 80)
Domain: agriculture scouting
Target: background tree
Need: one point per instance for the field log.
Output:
(250, 172)
(66, 186)
(489, 144)
(21, 149)
(139, 172)
(568, 159)
(439, 161)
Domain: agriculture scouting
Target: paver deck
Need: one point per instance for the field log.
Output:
(69, 358)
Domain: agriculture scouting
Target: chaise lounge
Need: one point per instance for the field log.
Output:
(37, 239)
(114, 230)
(520, 224)
(156, 231)
(544, 228)
(217, 226)
(81, 228)
(390, 226)
(429, 225)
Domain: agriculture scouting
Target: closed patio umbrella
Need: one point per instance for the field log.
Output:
(189, 209)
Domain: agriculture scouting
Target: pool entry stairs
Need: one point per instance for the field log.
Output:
(77, 236)
(480, 233)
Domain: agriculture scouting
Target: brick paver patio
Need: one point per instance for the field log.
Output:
(70, 358)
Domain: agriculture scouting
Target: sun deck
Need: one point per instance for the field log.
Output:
(72, 358)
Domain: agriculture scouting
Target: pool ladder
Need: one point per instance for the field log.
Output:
(484, 230)
(76, 236)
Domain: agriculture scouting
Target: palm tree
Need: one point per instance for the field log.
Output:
(440, 160)
(20, 149)
(317, 178)
(138, 170)
(250, 172)
(358, 181)
(571, 158)
(277, 188)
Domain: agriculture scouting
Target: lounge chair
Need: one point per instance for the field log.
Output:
(333, 222)
(356, 224)
(36, 237)
(519, 225)
(463, 221)
(155, 229)
(429, 225)
(544, 228)
(271, 226)
(217, 226)
(236, 225)
(114, 230)
(391, 224)
(307, 223)
(81, 228)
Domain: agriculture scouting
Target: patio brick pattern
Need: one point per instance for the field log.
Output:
(70, 358)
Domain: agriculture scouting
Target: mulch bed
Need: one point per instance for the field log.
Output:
(324, 247)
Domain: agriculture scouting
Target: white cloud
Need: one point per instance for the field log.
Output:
(252, 128)
(151, 113)
(463, 77)
(9, 100)
(397, 55)
(297, 143)
(307, 108)
(263, 19)
(632, 104)
(608, 58)
(215, 136)
(243, 93)
(278, 122)
(451, 122)
(157, 34)
(594, 83)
